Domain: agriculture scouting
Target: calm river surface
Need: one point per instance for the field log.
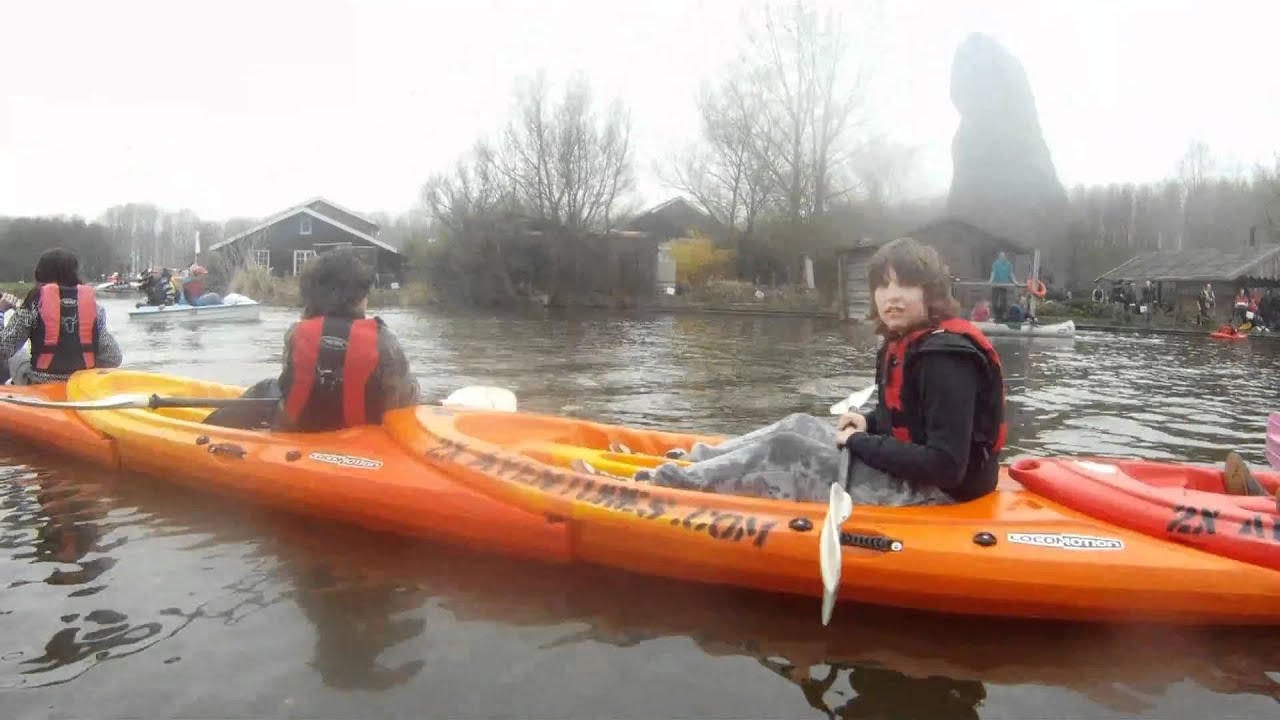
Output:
(122, 595)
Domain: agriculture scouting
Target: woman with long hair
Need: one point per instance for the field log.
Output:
(61, 319)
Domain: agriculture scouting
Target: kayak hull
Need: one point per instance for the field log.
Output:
(62, 429)
(1065, 329)
(1187, 506)
(1010, 553)
(359, 475)
(243, 312)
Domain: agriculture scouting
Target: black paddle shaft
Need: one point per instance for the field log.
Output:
(177, 402)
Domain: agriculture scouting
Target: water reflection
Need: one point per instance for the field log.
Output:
(54, 524)
(876, 692)
(365, 596)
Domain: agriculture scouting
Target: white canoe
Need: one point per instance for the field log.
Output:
(240, 312)
(1058, 330)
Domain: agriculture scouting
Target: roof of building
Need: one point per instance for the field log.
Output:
(1205, 264)
(336, 206)
(304, 209)
(953, 225)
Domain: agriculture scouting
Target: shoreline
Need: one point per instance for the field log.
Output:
(746, 310)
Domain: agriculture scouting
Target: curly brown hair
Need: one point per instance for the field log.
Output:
(916, 265)
(333, 283)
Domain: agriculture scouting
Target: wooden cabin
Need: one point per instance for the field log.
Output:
(285, 241)
(967, 250)
(1179, 276)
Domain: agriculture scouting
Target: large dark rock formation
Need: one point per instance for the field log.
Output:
(1003, 179)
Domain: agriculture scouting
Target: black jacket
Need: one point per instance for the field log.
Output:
(941, 385)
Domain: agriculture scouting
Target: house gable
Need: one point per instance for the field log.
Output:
(350, 218)
(672, 219)
(296, 214)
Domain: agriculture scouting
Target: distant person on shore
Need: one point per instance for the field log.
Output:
(341, 369)
(1098, 295)
(981, 312)
(1206, 301)
(61, 319)
(1001, 272)
(1241, 306)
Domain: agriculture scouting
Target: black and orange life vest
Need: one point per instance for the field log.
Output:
(65, 339)
(329, 381)
(897, 382)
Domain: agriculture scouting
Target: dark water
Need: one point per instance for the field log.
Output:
(124, 595)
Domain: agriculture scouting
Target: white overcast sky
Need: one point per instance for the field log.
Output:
(235, 108)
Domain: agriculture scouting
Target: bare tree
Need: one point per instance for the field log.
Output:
(815, 104)
(1195, 166)
(727, 174)
(566, 168)
(559, 173)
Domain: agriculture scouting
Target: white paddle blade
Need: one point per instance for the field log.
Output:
(115, 402)
(854, 401)
(482, 397)
(839, 507)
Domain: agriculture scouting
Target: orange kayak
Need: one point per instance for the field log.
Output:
(1012, 553)
(358, 475)
(506, 482)
(63, 429)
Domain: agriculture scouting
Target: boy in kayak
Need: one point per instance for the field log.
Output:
(341, 369)
(61, 318)
(935, 436)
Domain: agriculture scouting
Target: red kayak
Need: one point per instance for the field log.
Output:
(1185, 504)
(1226, 332)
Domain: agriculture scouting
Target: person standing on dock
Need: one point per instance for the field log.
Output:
(1002, 273)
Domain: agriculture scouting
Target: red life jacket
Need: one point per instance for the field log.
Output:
(193, 289)
(990, 429)
(328, 384)
(66, 337)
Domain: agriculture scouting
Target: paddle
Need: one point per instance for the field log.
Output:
(839, 507)
(854, 401)
(478, 397)
(1273, 440)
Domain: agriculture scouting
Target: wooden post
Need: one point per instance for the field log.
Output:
(1035, 275)
(842, 290)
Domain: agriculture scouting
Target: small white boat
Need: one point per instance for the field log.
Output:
(1065, 329)
(241, 309)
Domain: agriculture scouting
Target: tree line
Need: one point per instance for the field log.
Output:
(787, 162)
(1198, 207)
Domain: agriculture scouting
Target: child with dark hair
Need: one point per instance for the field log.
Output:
(934, 438)
(61, 318)
(341, 369)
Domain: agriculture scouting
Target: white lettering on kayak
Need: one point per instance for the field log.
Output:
(346, 461)
(1066, 542)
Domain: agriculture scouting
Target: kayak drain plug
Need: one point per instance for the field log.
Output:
(801, 524)
(202, 440)
(985, 539)
(293, 455)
